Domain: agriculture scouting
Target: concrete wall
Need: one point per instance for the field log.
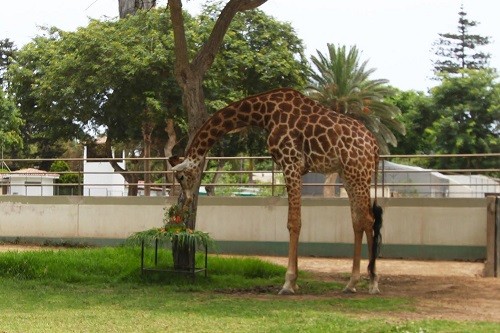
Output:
(413, 228)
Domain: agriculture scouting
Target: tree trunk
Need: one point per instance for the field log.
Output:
(131, 178)
(167, 151)
(183, 255)
(193, 101)
(189, 74)
(130, 7)
(147, 130)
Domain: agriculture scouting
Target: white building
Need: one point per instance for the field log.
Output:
(475, 186)
(32, 182)
(406, 180)
(100, 179)
(410, 181)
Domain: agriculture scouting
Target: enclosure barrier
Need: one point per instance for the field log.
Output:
(394, 180)
(421, 228)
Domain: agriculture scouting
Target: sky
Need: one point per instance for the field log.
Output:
(395, 36)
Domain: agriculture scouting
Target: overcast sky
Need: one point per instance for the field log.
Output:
(396, 36)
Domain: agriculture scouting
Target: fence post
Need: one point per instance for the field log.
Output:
(272, 179)
(497, 237)
(383, 179)
(491, 266)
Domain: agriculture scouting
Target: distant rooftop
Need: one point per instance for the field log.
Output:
(29, 172)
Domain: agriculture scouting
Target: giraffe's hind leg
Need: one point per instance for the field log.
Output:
(362, 222)
(355, 274)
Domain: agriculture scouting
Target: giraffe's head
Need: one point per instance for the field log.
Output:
(188, 174)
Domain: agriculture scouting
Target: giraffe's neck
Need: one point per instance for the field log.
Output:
(267, 110)
(238, 115)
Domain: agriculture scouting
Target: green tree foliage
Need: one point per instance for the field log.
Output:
(417, 115)
(457, 51)
(104, 75)
(7, 51)
(117, 77)
(469, 118)
(102, 78)
(10, 117)
(343, 83)
(66, 177)
(10, 124)
(27, 76)
(258, 53)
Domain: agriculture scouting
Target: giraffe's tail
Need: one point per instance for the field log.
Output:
(377, 225)
(377, 238)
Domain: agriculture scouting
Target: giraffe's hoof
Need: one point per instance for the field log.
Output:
(286, 292)
(289, 288)
(349, 290)
(374, 291)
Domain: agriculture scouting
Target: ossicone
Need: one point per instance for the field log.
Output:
(174, 160)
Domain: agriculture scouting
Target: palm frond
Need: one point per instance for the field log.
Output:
(342, 82)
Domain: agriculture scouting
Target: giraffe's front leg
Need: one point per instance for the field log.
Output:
(290, 286)
(294, 225)
(355, 275)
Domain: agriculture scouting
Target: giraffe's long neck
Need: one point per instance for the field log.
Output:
(253, 111)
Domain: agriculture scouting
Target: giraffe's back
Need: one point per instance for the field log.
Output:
(320, 139)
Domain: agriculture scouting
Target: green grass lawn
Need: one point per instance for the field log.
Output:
(102, 290)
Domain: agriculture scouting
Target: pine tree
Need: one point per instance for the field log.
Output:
(457, 51)
(7, 50)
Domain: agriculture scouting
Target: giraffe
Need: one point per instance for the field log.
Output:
(303, 136)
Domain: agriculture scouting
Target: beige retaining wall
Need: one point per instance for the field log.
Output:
(427, 227)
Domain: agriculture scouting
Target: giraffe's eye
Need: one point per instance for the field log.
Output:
(181, 178)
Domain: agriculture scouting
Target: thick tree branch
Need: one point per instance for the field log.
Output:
(250, 4)
(206, 54)
(180, 43)
(172, 137)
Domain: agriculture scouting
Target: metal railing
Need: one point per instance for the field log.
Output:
(95, 177)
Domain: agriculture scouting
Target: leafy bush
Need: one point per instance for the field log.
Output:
(66, 177)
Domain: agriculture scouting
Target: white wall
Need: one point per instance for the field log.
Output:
(436, 222)
(100, 179)
(44, 185)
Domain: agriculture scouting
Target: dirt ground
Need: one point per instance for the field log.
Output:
(449, 290)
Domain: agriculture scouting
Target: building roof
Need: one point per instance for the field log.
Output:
(29, 172)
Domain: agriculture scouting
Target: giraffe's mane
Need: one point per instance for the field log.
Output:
(268, 92)
(283, 90)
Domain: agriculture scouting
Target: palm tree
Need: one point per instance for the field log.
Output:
(343, 84)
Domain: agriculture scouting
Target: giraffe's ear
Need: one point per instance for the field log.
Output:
(179, 166)
(174, 160)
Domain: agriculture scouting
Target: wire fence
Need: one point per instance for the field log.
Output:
(399, 176)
